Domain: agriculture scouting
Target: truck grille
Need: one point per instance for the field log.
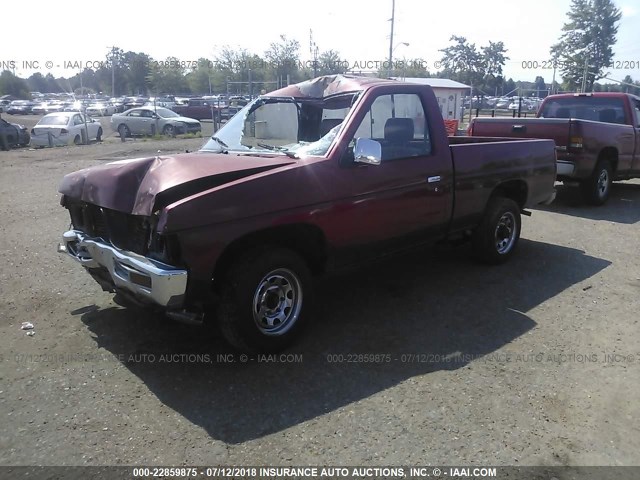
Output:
(122, 230)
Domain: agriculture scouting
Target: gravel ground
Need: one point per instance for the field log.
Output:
(427, 358)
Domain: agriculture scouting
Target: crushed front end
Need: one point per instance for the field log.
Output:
(125, 254)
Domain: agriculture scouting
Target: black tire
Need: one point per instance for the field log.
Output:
(77, 140)
(265, 299)
(169, 130)
(495, 239)
(123, 130)
(99, 135)
(597, 188)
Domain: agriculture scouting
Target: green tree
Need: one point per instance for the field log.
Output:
(283, 58)
(111, 76)
(12, 85)
(493, 58)
(462, 59)
(199, 78)
(52, 85)
(168, 76)
(483, 69)
(540, 86)
(587, 40)
(509, 87)
(136, 68)
(239, 66)
(330, 63)
(37, 83)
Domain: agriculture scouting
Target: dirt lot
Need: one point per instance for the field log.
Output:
(531, 363)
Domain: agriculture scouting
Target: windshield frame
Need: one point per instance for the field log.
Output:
(218, 142)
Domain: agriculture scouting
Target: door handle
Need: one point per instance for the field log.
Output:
(433, 179)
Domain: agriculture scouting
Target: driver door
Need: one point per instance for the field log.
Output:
(407, 198)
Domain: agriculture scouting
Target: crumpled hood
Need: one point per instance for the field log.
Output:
(139, 186)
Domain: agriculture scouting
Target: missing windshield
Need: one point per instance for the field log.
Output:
(284, 125)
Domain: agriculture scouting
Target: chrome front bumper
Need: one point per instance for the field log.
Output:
(148, 280)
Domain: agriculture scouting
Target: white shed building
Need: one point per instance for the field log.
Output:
(448, 92)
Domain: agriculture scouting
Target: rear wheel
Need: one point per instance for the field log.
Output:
(496, 238)
(597, 188)
(265, 299)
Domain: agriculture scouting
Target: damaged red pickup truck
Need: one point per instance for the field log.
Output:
(316, 176)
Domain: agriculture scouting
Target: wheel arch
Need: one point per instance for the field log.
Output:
(306, 240)
(610, 154)
(516, 190)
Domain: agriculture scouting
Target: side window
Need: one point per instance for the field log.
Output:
(398, 123)
(77, 120)
(135, 113)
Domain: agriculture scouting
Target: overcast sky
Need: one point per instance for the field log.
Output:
(358, 29)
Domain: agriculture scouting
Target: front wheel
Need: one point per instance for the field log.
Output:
(597, 188)
(265, 298)
(169, 130)
(123, 131)
(496, 238)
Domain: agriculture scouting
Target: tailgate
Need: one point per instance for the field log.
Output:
(557, 129)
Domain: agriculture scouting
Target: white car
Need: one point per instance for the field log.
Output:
(151, 121)
(64, 128)
(526, 105)
(101, 109)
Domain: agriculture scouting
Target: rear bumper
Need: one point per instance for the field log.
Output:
(149, 281)
(42, 140)
(565, 168)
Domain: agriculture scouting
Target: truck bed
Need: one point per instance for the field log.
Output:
(556, 129)
(507, 160)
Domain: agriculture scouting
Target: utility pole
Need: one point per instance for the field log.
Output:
(584, 75)
(393, 19)
(113, 71)
(313, 50)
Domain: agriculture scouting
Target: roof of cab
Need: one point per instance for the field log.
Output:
(328, 85)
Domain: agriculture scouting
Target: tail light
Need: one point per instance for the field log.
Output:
(575, 143)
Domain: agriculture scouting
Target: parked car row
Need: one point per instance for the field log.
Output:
(91, 106)
(503, 103)
(68, 128)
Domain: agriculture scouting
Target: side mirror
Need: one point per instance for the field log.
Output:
(367, 151)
